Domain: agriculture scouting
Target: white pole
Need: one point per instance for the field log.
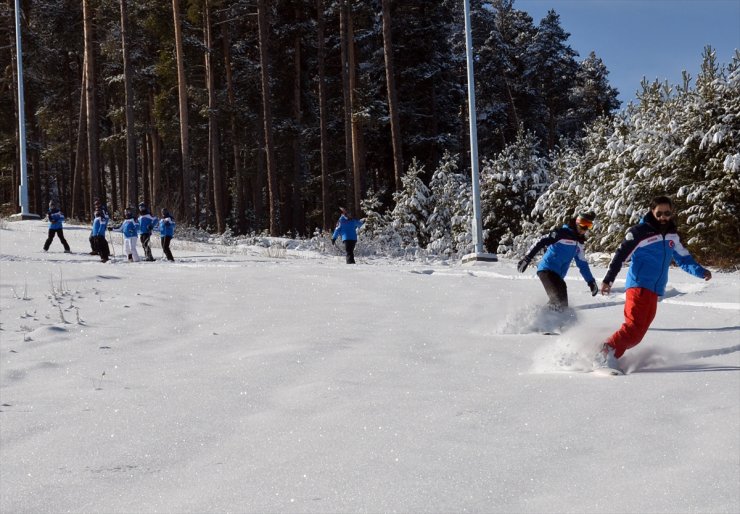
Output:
(477, 224)
(23, 188)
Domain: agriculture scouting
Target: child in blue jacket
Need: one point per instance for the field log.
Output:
(130, 229)
(146, 225)
(347, 228)
(98, 206)
(563, 245)
(100, 245)
(166, 232)
(56, 221)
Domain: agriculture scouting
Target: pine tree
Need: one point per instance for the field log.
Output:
(412, 208)
(510, 186)
(450, 222)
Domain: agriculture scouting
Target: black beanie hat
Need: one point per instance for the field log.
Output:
(586, 215)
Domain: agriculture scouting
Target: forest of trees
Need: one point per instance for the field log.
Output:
(265, 116)
(680, 140)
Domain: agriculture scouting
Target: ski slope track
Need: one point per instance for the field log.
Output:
(244, 379)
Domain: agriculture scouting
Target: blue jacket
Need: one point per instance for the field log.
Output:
(167, 227)
(347, 228)
(563, 245)
(652, 252)
(55, 219)
(146, 223)
(99, 225)
(129, 227)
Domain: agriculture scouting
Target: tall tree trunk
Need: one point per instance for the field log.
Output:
(186, 194)
(344, 15)
(358, 158)
(392, 95)
(78, 203)
(213, 134)
(146, 161)
(296, 198)
(35, 200)
(239, 200)
(91, 105)
(156, 155)
(323, 116)
(272, 183)
(130, 122)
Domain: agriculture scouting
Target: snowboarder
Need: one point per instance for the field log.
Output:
(347, 227)
(100, 223)
(563, 245)
(652, 245)
(56, 223)
(146, 225)
(166, 232)
(129, 228)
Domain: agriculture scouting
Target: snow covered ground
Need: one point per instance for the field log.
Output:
(237, 380)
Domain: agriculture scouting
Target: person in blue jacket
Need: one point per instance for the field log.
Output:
(130, 229)
(347, 228)
(56, 223)
(98, 206)
(100, 245)
(652, 245)
(563, 245)
(166, 232)
(146, 225)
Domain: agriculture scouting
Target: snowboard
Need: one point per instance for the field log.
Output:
(607, 372)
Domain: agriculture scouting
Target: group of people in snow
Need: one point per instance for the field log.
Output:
(652, 245)
(135, 227)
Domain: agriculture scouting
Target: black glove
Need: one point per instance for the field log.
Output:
(522, 264)
(333, 240)
(110, 229)
(594, 288)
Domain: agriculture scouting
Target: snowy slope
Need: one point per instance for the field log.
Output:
(232, 381)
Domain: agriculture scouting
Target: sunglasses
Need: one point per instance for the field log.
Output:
(584, 224)
(662, 214)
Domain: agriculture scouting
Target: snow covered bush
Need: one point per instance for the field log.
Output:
(510, 185)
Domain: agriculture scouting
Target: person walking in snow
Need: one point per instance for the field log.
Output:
(99, 226)
(56, 224)
(146, 225)
(652, 245)
(563, 245)
(166, 232)
(347, 228)
(98, 206)
(129, 228)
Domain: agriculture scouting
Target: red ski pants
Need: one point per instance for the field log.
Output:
(639, 312)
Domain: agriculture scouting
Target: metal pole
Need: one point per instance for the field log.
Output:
(477, 230)
(23, 188)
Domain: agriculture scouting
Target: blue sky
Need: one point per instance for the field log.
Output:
(645, 38)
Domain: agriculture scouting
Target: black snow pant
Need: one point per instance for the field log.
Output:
(59, 232)
(101, 248)
(146, 245)
(349, 246)
(166, 247)
(93, 245)
(555, 288)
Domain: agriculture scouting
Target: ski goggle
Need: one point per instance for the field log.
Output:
(584, 223)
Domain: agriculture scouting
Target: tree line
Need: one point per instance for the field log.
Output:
(259, 115)
(678, 140)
